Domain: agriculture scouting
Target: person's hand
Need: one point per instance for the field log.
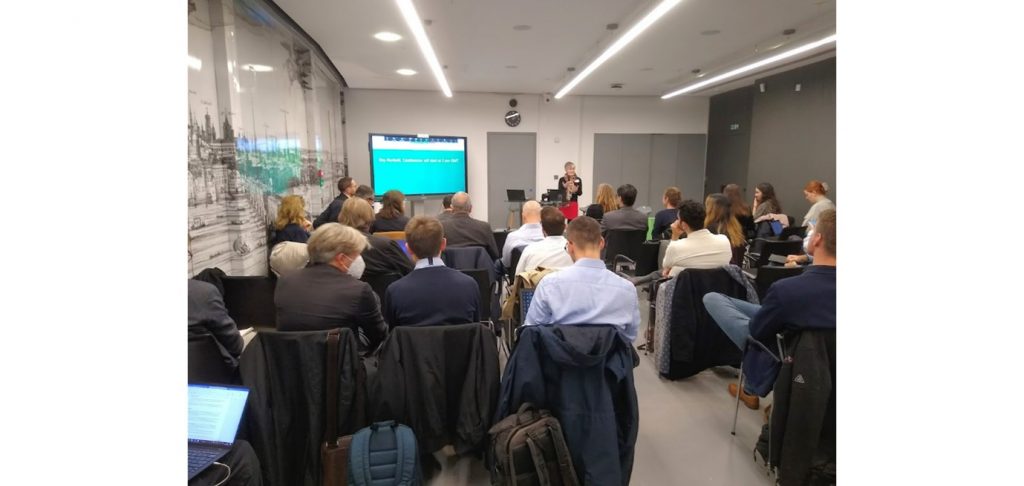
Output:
(795, 259)
(677, 230)
(790, 264)
(307, 224)
(754, 206)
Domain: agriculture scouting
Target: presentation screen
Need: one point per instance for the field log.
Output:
(417, 166)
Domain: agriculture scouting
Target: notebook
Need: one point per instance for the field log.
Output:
(213, 415)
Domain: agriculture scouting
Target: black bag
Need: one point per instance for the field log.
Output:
(528, 448)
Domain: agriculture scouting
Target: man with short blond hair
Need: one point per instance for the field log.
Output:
(432, 294)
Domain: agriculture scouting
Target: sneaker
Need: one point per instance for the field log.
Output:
(751, 401)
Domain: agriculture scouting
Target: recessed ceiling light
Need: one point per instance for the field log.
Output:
(412, 20)
(754, 65)
(259, 68)
(522, 27)
(710, 32)
(619, 43)
(789, 32)
(387, 36)
(695, 71)
(406, 72)
(570, 69)
(611, 26)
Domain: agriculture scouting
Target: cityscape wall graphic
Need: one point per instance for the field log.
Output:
(265, 120)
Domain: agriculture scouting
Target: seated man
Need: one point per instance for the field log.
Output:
(807, 301)
(328, 293)
(625, 218)
(586, 292)
(207, 315)
(463, 231)
(347, 187)
(446, 208)
(700, 248)
(549, 252)
(432, 294)
(366, 193)
(528, 233)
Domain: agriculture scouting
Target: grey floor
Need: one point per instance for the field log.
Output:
(684, 433)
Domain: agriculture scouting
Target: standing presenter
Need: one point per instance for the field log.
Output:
(571, 187)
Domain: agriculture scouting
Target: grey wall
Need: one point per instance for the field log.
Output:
(511, 164)
(651, 162)
(792, 136)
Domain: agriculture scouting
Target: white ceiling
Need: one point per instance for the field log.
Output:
(476, 40)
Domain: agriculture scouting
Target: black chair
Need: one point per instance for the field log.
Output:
(250, 301)
(499, 238)
(695, 342)
(623, 243)
(791, 231)
(205, 363)
(767, 248)
(648, 260)
(769, 274)
(380, 283)
(517, 253)
(482, 277)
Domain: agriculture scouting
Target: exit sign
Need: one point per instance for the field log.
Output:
(734, 126)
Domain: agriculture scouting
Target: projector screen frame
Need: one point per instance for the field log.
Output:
(465, 175)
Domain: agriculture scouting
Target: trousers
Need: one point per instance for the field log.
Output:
(732, 315)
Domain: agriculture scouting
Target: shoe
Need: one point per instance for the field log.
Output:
(751, 401)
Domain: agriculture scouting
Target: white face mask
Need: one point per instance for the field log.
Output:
(357, 267)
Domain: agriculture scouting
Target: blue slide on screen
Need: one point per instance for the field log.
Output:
(418, 165)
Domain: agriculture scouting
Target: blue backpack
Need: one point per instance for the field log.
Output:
(384, 454)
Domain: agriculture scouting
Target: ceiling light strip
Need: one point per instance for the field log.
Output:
(412, 19)
(621, 42)
(752, 66)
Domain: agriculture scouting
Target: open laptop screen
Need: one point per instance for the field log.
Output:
(214, 412)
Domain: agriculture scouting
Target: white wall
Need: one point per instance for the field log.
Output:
(565, 128)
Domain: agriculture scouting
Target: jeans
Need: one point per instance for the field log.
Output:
(732, 315)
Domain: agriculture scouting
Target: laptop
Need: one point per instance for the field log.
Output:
(516, 195)
(213, 415)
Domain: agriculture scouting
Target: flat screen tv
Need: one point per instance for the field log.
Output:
(417, 166)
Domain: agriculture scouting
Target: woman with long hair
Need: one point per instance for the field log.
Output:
(291, 223)
(383, 256)
(815, 192)
(720, 221)
(765, 202)
(739, 208)
(391, 216)
(606, 201)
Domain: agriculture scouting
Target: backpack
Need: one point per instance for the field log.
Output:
(384, 453)
(528, 448)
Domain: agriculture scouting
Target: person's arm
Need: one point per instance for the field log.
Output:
(476, 302)
(325, 216)
(506, 251)
(221, 325)
(398, 257)
(492, 246)
(388, 310)
(540, 310)
(771, 318)
(370, 319)
(671, 255)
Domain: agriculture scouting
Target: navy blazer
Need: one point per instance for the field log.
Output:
(431, 296)
(807, 301)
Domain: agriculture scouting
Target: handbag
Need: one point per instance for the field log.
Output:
(334, 450)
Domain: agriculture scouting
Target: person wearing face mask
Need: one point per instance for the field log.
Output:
(432, 294)
(586, 292)
(328, 294)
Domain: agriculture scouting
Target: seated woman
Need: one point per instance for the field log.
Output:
(291, 223)
(605, 202)
(720, 221)
(384, 256)
(814, 193)
(328, 294)
(663, 219)
(740, 209)
(392, 213)
(765, 202)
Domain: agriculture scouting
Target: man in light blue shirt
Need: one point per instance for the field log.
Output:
(529, 232)
(586, 292)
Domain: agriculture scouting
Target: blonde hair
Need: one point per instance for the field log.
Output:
(606, 198)
(356, 213)
(291, 210)
(332, 239)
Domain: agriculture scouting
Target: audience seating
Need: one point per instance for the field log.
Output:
(691, 340)
(624, 243)
(250, 301)
(500, 237)
(393, 235)
(285, 415)
(442, 381)
(766, 248)
(380, 283)
(482, 277)
(648, 260)
(517, 253)
(205, 362)
(474, 258)
(769, 274)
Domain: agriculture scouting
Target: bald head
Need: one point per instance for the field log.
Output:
(461, 203)
(531, 212)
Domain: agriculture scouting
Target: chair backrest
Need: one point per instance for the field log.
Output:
(205, 362)
(769, 274)
(625, 243)
(798, 231)
(500, 237)
(394, 235)
(380, 283)
(467, 258)
(648, 260)
(482, 277)
(250, 301)
(517, 253)
(770, 247)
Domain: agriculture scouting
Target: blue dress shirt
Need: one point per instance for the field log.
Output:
(586, 293)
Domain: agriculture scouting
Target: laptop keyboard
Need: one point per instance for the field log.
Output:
(199, 457)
